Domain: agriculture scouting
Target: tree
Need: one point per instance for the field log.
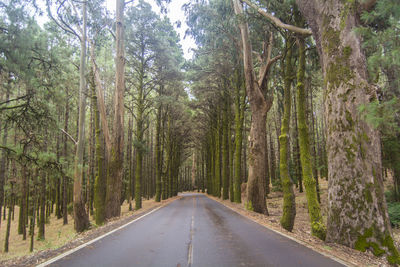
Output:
(116, 160)
(357, 213)
(259, 106)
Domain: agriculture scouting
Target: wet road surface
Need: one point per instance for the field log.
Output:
(195, 231)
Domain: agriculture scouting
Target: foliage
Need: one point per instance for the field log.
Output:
(394, 213)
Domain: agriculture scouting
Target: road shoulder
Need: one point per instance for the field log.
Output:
(85, 237)
(339, 253)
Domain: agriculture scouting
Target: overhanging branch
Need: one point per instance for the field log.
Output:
(277, 21)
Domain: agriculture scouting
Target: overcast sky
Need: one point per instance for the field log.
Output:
(175, 13)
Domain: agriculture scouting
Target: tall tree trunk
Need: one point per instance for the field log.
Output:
(259, 107)
(357, 212)
(100, 176)
(296, 148)
(23, 206)
(217, 160)
(158, 150)
(42, 205)
(318, 228)
(81, 219)
(225, 149)
(289, 204)
(65, 154)
(3, 159)
(272, 158)
(8, 228)
(116, 163)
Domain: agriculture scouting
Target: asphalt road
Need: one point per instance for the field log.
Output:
(195, 231)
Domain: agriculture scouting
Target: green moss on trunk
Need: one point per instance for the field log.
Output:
(318, 228)
(225, 150)
(289, 205)
(100, 178)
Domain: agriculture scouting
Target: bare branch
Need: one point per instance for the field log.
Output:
(70, 137)
(277, 21)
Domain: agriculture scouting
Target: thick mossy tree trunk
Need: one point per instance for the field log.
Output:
(318, 228)
(81, 219)
(289, 204)
(116, 158)
(357, 212)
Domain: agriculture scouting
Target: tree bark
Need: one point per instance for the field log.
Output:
(81, 220)
(318, 228)
(259, 107)
(116, 163)
(289, 204)
(357, 212)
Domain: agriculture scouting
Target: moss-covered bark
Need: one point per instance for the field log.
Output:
(225, 150)
(357, 212)
(158, 150)
(100, 177)
(217, 160)
(318, 228)
(289, 205)
(239, 119)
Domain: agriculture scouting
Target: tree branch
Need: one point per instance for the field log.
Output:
(70, 137)
(277, 21)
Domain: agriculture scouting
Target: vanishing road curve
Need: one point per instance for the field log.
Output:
(195, 231)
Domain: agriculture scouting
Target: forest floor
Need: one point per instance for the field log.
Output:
(301, 230)
(60, 238)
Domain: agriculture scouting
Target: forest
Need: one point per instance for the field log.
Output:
(102, 110)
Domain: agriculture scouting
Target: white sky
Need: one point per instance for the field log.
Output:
(175, 13)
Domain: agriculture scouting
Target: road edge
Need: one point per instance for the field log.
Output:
(338, 260)
(69, 252)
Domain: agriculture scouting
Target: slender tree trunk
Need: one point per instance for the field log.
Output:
(289, 204)
(225, 149)
(357, 212)
(217, 159)
(100, 177)
(81, 220)
(23, 206)
(8, 228)
(296, 148)
(3, 159)
(158, 151)
(65, 154)
(318, 228)
(42, 205)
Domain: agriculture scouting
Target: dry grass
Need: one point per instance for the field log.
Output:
(56, 234)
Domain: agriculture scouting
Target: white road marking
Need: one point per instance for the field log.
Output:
(190, 252)
(69, 252)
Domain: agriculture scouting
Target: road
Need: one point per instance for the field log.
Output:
(195, 231)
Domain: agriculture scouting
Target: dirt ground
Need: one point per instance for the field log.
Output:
(59, 237)
(301, 230)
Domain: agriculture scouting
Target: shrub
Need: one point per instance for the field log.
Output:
(394, 213)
